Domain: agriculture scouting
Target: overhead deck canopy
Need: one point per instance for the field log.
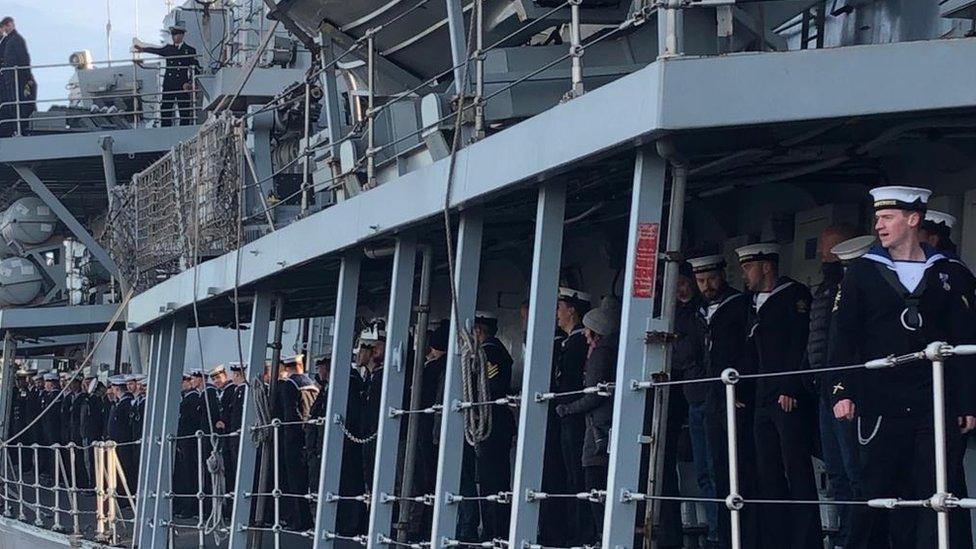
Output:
(670, 95)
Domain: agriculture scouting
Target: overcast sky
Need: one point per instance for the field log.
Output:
(56, 28)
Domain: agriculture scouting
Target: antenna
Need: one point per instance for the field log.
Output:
(108, 30)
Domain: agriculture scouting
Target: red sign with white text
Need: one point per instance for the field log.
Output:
(645, 261)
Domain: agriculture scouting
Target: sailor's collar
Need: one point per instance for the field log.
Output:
(879, 254)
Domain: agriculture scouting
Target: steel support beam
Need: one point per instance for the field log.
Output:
(330, 97)
(466, 270)
(344, 332)
(635, 360)
(384, 66)
(167, 389)
(108, 165)
(458, 33)
(247, 454)
(6, 381)
(67, 218)
(149, 456)
(536, 376)
(394, 376)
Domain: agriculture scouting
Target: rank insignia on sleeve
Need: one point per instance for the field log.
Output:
(838, 388)
(836, 302)
(492, 370)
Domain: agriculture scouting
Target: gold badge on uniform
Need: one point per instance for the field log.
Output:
(492, 370)
(836, 302)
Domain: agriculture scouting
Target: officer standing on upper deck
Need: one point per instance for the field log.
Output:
(896, 299)
(726, 316)
(784, 420)
(181, 67)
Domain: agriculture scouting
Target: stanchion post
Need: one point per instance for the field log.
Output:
(734, 500)
(934, 352)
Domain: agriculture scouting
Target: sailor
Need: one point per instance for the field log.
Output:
(181, 67)
(726, 316)
(119, 429)
(838, 446)
(569, 360)
(136, 383)
(232, 412)
(783, 425)
(185, 478)
(18, 416)
(425, 477)
(315, 433)
(601, 330)
(211, 423)
(371, 357)
(91, 416)
(350, 514)
(494, 453)
(896, 299)
(936, 230)
(50, 423)
(292, 404)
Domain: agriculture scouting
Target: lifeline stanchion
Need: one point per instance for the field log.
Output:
(76, 526)
(200, 486)
(734, 501)
(20, 476)
(57, 489)
(276, 424)
(37, 485)
(99, 458)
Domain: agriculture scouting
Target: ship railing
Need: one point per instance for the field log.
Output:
(139, 108)
(78, 489)
(942, 501)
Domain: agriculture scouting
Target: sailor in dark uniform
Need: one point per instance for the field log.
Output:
(784, 420)
(119, 430)
(494, 453)
(50, 423)
(185, 480)
(936, 231)
(371, 357)
(181, 67)
(569, 360)
(896, 299)
(726, 316)
(137, 385)
(350, 514)
(315, 434)
(232, 412)
(292, 404)
(18, 417)
(90, 412)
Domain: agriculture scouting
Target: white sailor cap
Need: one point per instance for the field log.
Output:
(218, 369)
(853, 248)
(196, 372)
(22, 373)
(237, 367)
(92, 385)
(940, 218)
(707, 263)
(900, 198)
(574, 295)
(375, 330)
(119, 380)
(486, 318)
(186, 376)
(138, 378)
(50, 376)
(293, 358)
(764, 251)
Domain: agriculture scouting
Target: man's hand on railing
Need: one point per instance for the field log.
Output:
(844, 409)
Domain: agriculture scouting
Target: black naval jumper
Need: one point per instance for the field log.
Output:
(232, 414)
(872, 319)
(185, 479)
(727, 320)
(784, 440)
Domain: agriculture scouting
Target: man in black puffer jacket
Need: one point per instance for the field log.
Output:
(837, 440)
